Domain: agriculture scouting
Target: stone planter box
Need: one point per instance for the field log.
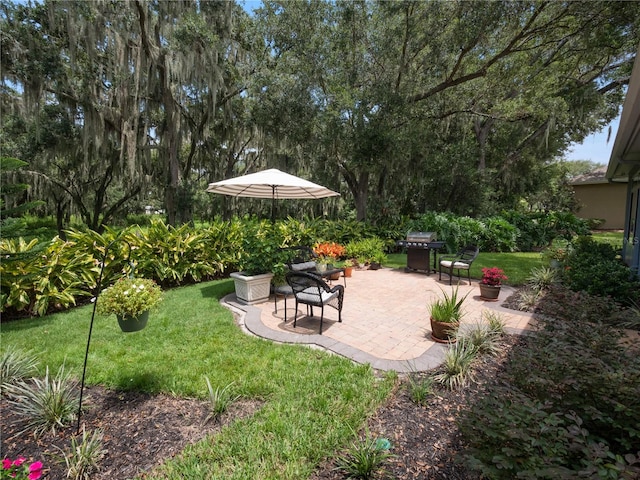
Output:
(252, 289)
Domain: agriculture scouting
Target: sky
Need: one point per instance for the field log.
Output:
(595, 146)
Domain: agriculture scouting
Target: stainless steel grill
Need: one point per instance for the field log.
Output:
(419, 246)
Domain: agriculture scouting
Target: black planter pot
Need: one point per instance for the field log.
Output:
(130, 323)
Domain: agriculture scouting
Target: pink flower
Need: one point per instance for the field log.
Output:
(19, 461)
(6, 463)
(35, 470)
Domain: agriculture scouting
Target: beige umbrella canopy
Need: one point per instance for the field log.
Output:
(272, 184)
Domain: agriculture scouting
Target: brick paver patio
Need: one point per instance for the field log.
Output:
(385, 319)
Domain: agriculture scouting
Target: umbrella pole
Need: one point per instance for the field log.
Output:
(273, 204)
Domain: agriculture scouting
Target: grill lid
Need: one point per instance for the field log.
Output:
(421, 237)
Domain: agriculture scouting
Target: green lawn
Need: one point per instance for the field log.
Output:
(313, 401)
(613, 238)
(517, 266)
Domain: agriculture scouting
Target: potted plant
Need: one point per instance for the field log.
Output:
(445, 316)
(253, 282)
(377, 260)
(130, 299)
(491, 283)
(331, 251)
(367, 251)
(328, 254)
(348, 267)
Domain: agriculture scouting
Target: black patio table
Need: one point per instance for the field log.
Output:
(328, 273)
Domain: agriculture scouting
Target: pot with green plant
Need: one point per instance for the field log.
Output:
(130, 299)
(377, 261)
(445, 315)
(491, 282)
(253, 282)
(348, 267)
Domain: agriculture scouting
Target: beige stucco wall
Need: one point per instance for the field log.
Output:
(603, 200)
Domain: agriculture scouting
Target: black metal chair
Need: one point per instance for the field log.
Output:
(311, 290)
(297, 258)
(460, 261)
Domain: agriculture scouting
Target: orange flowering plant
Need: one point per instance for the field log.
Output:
(329, 250)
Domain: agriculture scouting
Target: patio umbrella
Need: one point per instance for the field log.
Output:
(272, 184)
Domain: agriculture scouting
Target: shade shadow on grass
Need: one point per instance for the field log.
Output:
(141, 381)
(217, 290)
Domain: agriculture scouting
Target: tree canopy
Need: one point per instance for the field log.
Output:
(403, 107)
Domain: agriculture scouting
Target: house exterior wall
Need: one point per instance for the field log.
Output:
(604, 201)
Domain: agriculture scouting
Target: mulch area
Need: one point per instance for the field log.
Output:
(141, 430)
(425, 439)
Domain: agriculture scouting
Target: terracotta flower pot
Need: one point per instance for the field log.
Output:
(348, 271)
(444, 332)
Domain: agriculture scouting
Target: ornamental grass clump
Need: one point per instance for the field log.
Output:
(15, 365)
(84, 454)
(448, 309)
(129, 297)
(46, 403)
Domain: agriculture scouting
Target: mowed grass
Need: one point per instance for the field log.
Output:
(612, 238)
(313, 401)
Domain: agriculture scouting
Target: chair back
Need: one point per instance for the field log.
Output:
(308, 283)
(300, 258)
(468, 254)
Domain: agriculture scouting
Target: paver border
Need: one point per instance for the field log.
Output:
(252, 320)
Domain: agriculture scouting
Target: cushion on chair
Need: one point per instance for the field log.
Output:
(311, 295)
(459, 265)
(299, 267)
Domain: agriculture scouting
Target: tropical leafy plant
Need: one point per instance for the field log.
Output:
(366, 249)
(329, 250)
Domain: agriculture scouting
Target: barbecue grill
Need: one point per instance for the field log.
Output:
(419, 246)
